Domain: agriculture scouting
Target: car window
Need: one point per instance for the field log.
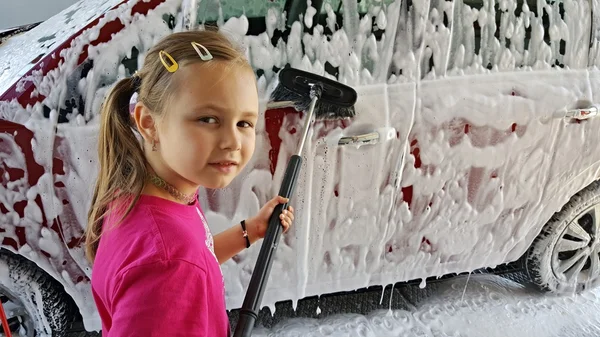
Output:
(283, 25)
(209, 10)
(256, 11)
(522, 34)
(363, 6)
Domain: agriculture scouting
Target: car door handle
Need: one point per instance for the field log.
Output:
(585, 113)
(381, 135)
(364, 139)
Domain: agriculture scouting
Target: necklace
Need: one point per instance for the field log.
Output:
(161, 183)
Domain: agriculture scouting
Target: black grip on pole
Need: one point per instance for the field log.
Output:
(260, 275)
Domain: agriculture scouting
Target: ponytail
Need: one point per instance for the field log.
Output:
(122, 162)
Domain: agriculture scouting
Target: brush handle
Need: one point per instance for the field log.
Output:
(260, 275)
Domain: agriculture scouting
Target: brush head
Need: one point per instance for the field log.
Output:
(334, 100)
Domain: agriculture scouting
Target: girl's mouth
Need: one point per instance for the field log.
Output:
(224, 166)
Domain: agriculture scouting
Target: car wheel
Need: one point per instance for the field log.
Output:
(565, 257)
(35, 304)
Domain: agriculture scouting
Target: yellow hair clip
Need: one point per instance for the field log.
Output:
(170, 68)
(204, 57)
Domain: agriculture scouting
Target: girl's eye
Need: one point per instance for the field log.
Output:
(245, 124)
(208, 120)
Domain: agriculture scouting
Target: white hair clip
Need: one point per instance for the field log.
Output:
(206, 56)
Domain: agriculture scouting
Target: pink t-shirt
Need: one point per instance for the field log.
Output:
(155, 274)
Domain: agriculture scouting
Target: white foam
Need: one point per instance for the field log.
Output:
(473, 163)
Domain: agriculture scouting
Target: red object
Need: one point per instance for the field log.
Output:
(5, 326)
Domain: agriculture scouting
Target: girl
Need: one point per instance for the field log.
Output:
(156, 271)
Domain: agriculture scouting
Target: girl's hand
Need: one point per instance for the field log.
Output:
(259, 223)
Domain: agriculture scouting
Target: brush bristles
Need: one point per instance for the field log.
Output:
(322, 110)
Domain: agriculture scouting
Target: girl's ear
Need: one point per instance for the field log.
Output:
(145, 123)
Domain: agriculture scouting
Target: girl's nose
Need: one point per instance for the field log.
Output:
(231, 139)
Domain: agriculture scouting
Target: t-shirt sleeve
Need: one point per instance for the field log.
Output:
(166, 298)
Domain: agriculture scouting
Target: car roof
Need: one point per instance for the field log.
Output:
(19, 54)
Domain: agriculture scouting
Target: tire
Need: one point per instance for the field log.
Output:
(38, 303)
(565, 257)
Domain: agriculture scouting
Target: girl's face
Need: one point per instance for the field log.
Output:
(207, 134)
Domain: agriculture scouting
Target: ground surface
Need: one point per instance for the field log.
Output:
(488, 306)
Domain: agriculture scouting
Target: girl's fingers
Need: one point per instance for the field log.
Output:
(289, 215)
(286, 220)
(285, 225)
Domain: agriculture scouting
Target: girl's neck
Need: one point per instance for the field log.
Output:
(159, 187)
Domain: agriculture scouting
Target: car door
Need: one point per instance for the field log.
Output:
(488, 151)
(354, 189)
(349, 177)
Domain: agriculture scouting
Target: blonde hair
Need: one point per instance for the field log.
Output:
(123, 166)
